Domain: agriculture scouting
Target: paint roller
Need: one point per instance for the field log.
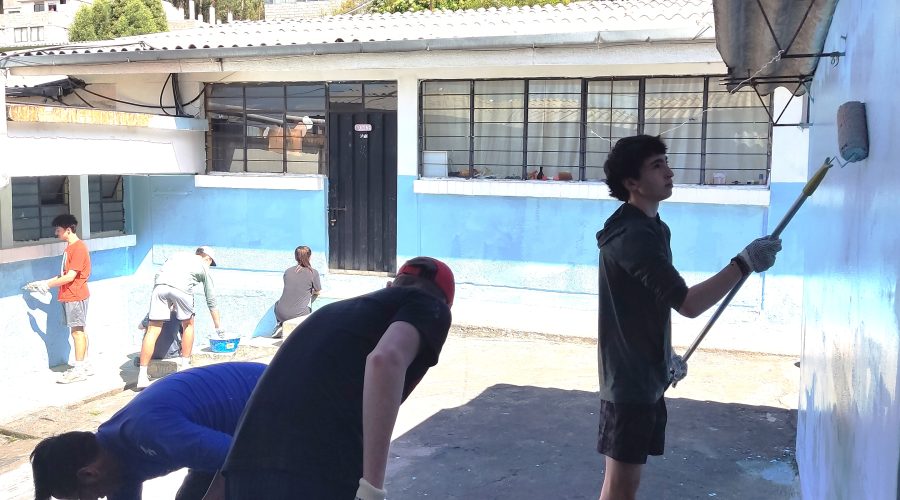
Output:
(853, 142)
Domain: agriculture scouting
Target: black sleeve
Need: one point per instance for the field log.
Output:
(431, 317)
(644, 256)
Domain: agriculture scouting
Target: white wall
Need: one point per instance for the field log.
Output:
(848, 433)
(35, 149)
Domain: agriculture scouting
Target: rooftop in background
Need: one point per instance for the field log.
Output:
(606, 21)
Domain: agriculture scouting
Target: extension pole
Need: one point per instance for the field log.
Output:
(808, 190)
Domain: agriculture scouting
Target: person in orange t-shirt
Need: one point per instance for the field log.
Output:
(73, 293)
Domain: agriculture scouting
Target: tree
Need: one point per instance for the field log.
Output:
(108, 19)
(387, 6)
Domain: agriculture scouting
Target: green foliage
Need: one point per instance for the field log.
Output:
(388, 6)
(243, 10)
(108, 19)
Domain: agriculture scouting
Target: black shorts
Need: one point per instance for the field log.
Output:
(629, 432)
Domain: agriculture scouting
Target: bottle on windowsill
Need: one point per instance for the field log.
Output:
(540, 174)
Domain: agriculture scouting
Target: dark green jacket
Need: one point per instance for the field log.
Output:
(638, 289)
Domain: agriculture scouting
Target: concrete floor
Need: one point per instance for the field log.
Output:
(507, 415)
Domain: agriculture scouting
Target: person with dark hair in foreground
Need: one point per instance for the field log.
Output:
(184, 420)
(318, 426)
(73, 293)
(638, 288)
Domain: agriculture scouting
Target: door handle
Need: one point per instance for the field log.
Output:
(332, 220)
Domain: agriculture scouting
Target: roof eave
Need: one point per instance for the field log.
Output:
(598, 38)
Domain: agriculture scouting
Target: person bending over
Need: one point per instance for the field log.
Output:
(184, 420)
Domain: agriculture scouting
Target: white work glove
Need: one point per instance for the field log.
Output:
(40, 286)
(368, 492)
(220, 332)
(759, 255)
(678, 368)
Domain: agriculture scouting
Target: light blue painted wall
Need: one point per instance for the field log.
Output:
(549, 243)
(31, 325)
(848, 435)
(253, 232)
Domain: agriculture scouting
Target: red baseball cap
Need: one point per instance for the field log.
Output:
(434, 270)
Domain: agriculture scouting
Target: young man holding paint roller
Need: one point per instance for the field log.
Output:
(638, 288)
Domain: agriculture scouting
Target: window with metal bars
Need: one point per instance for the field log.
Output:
(563, 129)
(106, 195)
(281, 128)
(35, 202)
(274, 128)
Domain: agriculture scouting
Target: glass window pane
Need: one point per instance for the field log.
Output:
(499, 101)
(446, 88)
(265, 104)
(226, 90)
(498, 129)
(345, 94)
(595, 174)
(595, 161)
(597, 145)
(455, 102)
(36, 201)
(554, 115)
(678, 145)
(537, 131)
(505, 144)
(741, 99)
(603, 87)
(756, 115)
(738, 146)
(693, 130)
(626, 86)
(674, 85)
(446, 130)
(554, 87)
(500, 87)
(460, 116)
(105, 195)
(381, 95)
(265, 91)
(445, 127)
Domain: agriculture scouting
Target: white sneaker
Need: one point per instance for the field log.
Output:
(142, 383)
(88, 369)
(74, 374)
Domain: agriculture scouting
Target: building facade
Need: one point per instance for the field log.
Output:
(373, 139)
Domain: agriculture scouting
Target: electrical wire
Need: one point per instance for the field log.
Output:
(161, 92)
(82, 99)
(150, 106)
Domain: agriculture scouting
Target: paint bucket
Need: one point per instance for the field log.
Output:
(224, 345)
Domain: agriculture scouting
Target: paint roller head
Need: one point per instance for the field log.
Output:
(853, 133)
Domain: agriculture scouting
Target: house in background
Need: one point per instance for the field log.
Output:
(31, 23)
(477, 137)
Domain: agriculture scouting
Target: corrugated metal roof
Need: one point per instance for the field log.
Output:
(675, 19)
(757, 39)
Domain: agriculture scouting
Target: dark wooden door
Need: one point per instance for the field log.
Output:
(362, 190)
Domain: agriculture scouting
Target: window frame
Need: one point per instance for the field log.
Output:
(700, 119)
(99, 226)
(330, 103)
(65, 194)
